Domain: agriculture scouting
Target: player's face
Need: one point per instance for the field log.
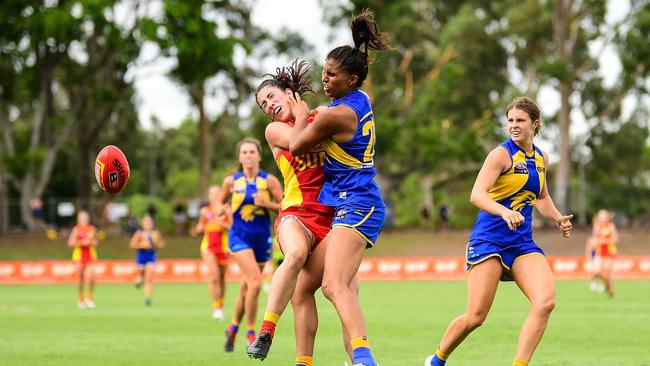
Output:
(603, 216)
(336, 81)
(147, 223)
(249, 157)
(83, 218)
(520, 127)
(275, 103)
(213, 194)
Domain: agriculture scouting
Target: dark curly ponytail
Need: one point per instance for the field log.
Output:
(365, 33)
(294, 77)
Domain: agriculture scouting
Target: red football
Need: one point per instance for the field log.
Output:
(111, 169)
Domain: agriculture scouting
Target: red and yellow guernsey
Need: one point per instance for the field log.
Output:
(84, 252)
(303, 180)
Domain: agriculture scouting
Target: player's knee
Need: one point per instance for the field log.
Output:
(254, 284)
(545, 305)
(332, 290)
(294, 259)
(475, 320)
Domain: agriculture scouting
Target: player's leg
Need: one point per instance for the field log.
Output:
(482, 283)
(342, 259)
(213, 283)
(90, 289)
(80, 286)
(148, 283)
(252, 275)
(608, 263)
(295, 244)
(237, 316)
(533, 275)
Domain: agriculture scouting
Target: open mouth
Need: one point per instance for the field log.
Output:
(277, 111)
(515, 133)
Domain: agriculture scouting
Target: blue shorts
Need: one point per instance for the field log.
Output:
(144, 257)
(480, 250)
(366, 221)
(260, 244)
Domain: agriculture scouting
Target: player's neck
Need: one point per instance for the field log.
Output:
(251, 173)
(526, 145)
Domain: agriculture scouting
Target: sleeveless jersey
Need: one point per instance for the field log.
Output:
(85, 252)
(516, 189)
(248, 218)
(304, 178)
(147, 241)
(214, 236)
(349, 166)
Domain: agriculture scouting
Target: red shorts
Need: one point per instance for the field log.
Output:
(607, 250)
(221, 256)
(82, 256)
(318, 223)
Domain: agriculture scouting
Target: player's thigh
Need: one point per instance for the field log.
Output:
(343, 256)
(311, 275)
(534, 277)
(250, 269)
(211, 262)
(482, 283)
(293, 238)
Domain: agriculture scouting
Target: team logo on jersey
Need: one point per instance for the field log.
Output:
(341, 213)
(520, 168)
(343, 194)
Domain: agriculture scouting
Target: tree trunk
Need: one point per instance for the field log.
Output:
(563, 172)
(4, 205)
(25, 203)
(197, 91)
(84, 178)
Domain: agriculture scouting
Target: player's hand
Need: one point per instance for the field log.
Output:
(299, 108)
(260, 200)
(220, 210)
(565, 225)
(513, 218)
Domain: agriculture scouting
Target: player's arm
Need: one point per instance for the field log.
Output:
(161, 241)
(275, 190)
(338, 122)
(225, 220)
(72, 240)
(199, 225)
(497, 162)
(92, 238)
(546, 207)
(135, 240)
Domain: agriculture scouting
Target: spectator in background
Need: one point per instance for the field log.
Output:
(180, 219)
(445, 213)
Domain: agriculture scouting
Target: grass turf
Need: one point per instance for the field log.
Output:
(40, 325)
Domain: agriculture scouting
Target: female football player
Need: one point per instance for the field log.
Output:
(606, 237)
(253, 193)
(145, 241)
(83, 240)
(501, 247)
(346, 131)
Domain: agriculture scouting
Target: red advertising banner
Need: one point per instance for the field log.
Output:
(372, 268)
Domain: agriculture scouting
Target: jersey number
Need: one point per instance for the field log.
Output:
(369, 129)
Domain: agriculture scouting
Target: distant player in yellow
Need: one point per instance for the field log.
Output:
(214, 247)
(606, 236)
(145, 241)
(83, 240)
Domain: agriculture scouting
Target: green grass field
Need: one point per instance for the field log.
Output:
(41, 325)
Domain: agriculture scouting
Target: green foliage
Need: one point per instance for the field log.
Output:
(139, 203)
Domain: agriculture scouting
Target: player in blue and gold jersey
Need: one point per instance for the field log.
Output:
(252, 194)
(501, 247)
(346, 131)
(144, 242)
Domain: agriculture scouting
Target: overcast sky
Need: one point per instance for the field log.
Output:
(158, 95)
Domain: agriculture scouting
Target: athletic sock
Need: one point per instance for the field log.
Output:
(269, 323)
(250, 333)
(519, 362)
(361, 351)
(217, 304)
(439, 358)
(304, 361)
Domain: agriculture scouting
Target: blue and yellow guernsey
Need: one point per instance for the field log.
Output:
(516, 189)
(349, 166)
(248, 218)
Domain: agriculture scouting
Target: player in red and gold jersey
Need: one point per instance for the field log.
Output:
(303, 223)
(606, 236)
(214, 247)
(83, 241)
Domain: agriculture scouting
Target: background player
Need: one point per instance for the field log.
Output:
(511, 181)
(253, 193)
(606, 236)
(214, 247)
(145, 241)
(346, 131)
(83, 240)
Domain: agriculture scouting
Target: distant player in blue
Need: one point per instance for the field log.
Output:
(252, 193)
(145, 241)
(346, 131)
(501, 247)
